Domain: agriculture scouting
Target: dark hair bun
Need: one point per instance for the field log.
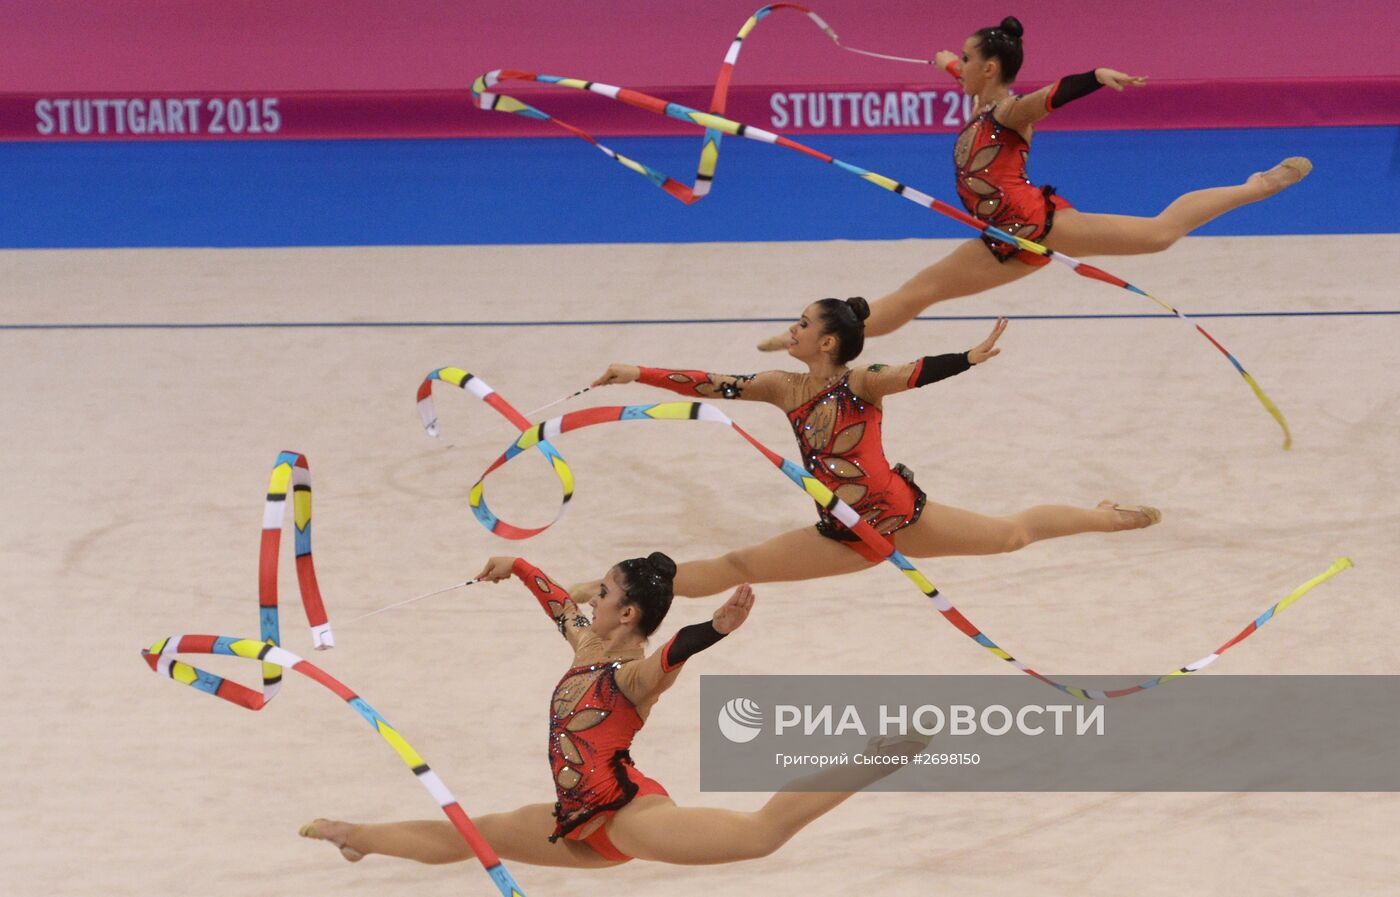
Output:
(1012, 26)
(663, 565)
(860, 307)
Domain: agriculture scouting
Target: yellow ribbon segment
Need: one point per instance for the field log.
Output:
(817, 490)
(881, 180)
(301, 507)
(709, 158)
(748, 26)
(455, 376)
(921, 581)
(575, 83)
(529, 438)
(246, 647)
(509, 104)
(474, 496)
(565, 474)
(706, 120)
(183, 672)
(404, 749)
(1338, 566)
(281, 479)
(1277, 415)
(671, 411)
(637, 167)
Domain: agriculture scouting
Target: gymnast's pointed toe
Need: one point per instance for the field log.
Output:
(1283, 175)
(1301, 164)
(334, 832)
(1134, 516)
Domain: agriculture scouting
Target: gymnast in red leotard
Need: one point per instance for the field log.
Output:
(606, 812)
(836, 415)
(989, 158)
(991, 176)
(839, 436)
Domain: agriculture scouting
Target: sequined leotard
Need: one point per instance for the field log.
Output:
(839, 435)
(596, 710)
(990, 160)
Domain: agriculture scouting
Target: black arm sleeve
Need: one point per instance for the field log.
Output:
(1072, 87)
(932, 368)
(687, 643)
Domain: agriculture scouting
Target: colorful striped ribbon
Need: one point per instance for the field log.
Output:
(716, 125)
(477, 387)
(292, 469)
(538, 436)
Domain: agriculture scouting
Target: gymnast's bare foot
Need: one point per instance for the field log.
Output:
(1285, 174)
(335, 832)
(585, 592)
(775, 343)
(1132, 516)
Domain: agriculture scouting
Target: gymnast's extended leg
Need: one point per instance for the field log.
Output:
(1084, 234)
(654, 828)
(521, 836)
(968, 269)
(945, 531)
(796, 555)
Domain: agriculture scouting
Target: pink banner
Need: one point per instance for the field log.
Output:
(272, 46)
(788, 109)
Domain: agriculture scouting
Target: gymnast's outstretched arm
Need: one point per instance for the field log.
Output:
(644, 679)
(1019, 112)
(768, 386)
(553, 597)
(879, 380)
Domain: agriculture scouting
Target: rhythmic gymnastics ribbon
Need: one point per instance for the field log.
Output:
(538, 436)
(292, 468)
(716, 125)
(477, 387)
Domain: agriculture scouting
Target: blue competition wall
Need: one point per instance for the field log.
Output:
(405, 192)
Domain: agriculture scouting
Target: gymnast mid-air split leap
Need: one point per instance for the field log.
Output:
(607, 812)
(989, 161)
(836, 414)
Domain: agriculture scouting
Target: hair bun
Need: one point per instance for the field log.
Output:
(662, 564)
(1013, 27)
(859, 306)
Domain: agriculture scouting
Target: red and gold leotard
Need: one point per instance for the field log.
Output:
(597, 709)
(838, 433)
(990, 159)
(839, 436)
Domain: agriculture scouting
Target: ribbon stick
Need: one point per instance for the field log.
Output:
(443, 591)
(576, 393)
(291, 469)
(535, 435)
(716, 125)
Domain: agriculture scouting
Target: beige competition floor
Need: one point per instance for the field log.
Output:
(135, 463)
